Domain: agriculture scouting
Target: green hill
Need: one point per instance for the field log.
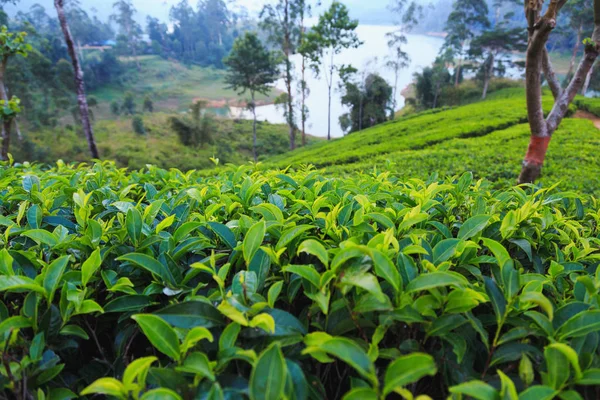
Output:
(487, 138)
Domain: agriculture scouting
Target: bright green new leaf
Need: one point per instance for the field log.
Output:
(477, 390)
(90, 266)
(149, 264)
(53, 275)
(436, 279)
(253, 240)
(106, 386)
(473, 226)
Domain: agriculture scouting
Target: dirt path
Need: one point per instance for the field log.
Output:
(588, 115)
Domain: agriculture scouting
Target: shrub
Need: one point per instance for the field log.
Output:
(137, 123)
(159, 284)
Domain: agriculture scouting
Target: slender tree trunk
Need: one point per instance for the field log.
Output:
(488, 76)
(436, 94)
(287, 50)
(329, 115)
(543, 128)
(4, 93)
(303, 111)
(575, 52)
(253, 105)
(5, 140)
(588, 80)
(458, 68)
(395, 101)
(84, 110)
(360, 113)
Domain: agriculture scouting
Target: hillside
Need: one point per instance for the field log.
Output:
(160, 146)
(487, 138)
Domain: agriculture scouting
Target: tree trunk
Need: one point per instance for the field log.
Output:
(303, 111)
(588, 80)
(84, 110)
(487, 77)
(4, 93)
(457, 72)
(329, 115)
(395, 101)
(5, 140)
(288, 75)
(436, 95)
(542, 129)
(575, 52)
(253, 105)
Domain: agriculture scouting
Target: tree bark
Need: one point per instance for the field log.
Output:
(287, 50)
(575, 51)
(329, 115)
(303, 111)
(457, 72)
(84, 110)
(588, 80)
(542, 129)
(5, 140)
(550, 75)
(488, 76)
(253, 105)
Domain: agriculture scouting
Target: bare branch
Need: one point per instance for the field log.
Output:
(562, 104)
(550, 75)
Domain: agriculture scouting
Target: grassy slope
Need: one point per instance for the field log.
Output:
(160, 146)
(488, 138)
(173, 86)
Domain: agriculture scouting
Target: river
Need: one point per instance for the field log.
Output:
(422, 50)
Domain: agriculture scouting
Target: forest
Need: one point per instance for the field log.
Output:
(300, 200)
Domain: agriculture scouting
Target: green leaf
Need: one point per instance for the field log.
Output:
(20, 284)
(477, 390)
(198, 363)
(291, 234)
(556, 363)
(41, 236)
(473, 226)
(408, 369)
(316, 249)
(347, 351)
(74, 330)
(194, 336)
(160, 334)
(191, 314)
(54, 273)
(133, 222)
(590, 377)
(224, 233)
(499, 251)
(436, 279)
(273, 293)
(445, 250)
(570, 355)
(361, 394)
(149, 264)
(160, 394)
(12, 323)
(540, 300)
(267, 381)
(538, 393)
(364, 281)
(138, 369)
(270, 212)
(508, 391)
(253, 240)
(308, 272)
(496, 297)
(90, 266)
(385, 268)
(106, 386)
(580, 325)
(127, 303)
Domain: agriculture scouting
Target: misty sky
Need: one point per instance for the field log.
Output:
(370, 10)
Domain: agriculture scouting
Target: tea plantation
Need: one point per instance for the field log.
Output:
(159, 284)
(488, 139)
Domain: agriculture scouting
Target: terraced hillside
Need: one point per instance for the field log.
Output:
(488, 139)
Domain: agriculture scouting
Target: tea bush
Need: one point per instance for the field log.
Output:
(254, 284)
(591, 105)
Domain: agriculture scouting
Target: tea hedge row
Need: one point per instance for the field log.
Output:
(264, 285)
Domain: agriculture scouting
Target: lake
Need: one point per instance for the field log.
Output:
(422, 50)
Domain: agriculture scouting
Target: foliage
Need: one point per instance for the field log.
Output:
(12, 44)
(368, 101)
(148, 104)
(128, 106)
(197, 129)
(429, 84)
(160, 146)
(591, 105)
(270, 285)
(10, 109)
(137, 124)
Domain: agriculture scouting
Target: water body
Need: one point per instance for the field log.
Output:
(422, 50)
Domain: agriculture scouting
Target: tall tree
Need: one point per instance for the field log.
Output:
(465, 20)
(540, 27)
(84, 110)
(368, 99)
(281, 22)
(251, 68)
(334, 32)
(495, 48)
(304, 13)
(130, 30)
(409, 14)
(8, 113)
(581, 19)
